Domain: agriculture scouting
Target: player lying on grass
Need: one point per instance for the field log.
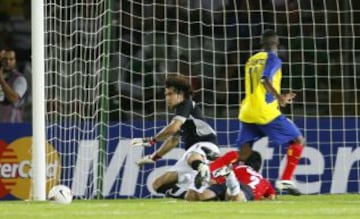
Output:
(232, 181)
(188, 123)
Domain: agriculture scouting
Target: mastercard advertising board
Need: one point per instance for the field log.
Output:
(329, 163)
(15, 163)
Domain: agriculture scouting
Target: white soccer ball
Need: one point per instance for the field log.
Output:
(60, 194)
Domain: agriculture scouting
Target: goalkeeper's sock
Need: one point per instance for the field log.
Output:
(228, 158)
(293, 157)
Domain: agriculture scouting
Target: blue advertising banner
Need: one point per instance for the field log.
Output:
(330, 162)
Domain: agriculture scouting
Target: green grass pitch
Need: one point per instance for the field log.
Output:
(306, 206)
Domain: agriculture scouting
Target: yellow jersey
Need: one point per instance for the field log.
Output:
(260, 106)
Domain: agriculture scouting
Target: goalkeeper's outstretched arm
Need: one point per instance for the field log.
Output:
(170, 134)
(168, 131)
(167, 146)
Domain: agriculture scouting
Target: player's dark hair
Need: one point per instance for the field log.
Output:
(254, 160)
(269, 39)
(180, 84)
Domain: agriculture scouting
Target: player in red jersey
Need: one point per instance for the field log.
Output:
(261, 187)
(235, 182)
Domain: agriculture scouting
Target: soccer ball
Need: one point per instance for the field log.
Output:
(60, 194)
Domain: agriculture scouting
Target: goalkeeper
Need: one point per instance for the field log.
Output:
(199, 139)
(260, 115)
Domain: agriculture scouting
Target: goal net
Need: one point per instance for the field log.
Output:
(106, 62)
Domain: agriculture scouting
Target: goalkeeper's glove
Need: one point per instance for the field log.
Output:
(148, 159)
(144, 142)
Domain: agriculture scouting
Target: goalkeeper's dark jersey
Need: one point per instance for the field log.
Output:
(194, 129)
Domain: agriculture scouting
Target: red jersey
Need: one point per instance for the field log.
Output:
(245, 174)
(261, 187)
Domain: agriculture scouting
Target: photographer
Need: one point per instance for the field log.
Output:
(13, 87)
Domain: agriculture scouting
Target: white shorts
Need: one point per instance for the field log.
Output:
(186, 174)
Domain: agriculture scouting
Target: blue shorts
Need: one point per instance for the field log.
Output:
(279, 131)
(220, 191)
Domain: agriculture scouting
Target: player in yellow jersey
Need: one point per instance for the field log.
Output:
(260, 114)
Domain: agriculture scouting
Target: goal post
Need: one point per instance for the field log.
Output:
(104, 116)
(106, 62)
(38, 90)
